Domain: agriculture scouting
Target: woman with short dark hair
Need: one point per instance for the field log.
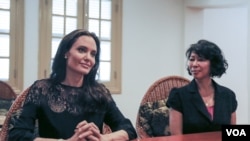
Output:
(203, 105)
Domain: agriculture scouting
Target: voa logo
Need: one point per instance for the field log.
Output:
(236, 132)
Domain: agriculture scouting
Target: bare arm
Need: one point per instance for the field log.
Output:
(83, 131)
(175, 122)
(120, 135)
(95, 135)
(90, 132)
(45, 139)
(115, 136)
(233, 118)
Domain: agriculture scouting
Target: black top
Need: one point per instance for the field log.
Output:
(196, 117)
(58, 111)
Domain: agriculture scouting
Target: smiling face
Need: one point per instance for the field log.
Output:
(199, 67)
(81, 56)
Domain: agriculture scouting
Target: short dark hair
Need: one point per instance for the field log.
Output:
(210, 51)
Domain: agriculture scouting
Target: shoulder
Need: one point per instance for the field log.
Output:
(42, 82)
(189, 88)
(223, 90)
(184, 92)
(178, 93)
(101, 90)
(37, 90)
(100, 87)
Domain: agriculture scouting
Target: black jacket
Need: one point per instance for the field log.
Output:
(196, 118)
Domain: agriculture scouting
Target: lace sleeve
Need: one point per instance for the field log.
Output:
(22, 122)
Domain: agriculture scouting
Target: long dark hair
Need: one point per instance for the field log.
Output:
(210, 51)
(93, 91)
(59, 64)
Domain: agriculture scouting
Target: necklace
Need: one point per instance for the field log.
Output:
(207, 102)
(207, 94)
(207, 97)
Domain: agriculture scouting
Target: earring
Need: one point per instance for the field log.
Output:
(65, 57)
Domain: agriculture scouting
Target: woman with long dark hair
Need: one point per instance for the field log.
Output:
(71, 105)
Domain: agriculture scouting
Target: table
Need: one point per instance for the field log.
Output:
(207, 136)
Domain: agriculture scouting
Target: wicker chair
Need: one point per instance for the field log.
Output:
(6, 92)
(17, 104)
(7, 96)
(158, 91)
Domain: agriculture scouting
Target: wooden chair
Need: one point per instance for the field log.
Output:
(17, 104)
(158, 91)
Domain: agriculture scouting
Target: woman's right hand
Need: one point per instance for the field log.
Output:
(82, 132)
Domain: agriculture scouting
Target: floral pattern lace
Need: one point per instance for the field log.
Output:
(59, 98)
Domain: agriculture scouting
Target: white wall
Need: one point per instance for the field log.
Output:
(155, 35)
(31, 41)
(229, 32)
(152, 39)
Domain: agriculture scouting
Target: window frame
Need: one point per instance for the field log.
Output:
(16, 45)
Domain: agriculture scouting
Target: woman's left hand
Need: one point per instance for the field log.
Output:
(91, 127)
(96, 135)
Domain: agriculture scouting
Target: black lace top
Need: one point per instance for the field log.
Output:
(59, 108)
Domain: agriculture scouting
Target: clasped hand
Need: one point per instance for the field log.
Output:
(86, 132)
